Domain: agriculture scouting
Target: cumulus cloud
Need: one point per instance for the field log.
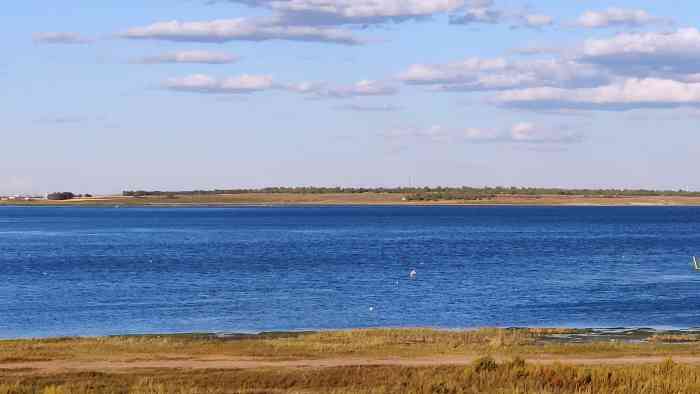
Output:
(647, 54)
(305, 87)
(434, 133)
(326, 12)
(617, 17)
(199, 83)
(478, 12)
(320, 90)
(534, 21)
(361, 88)
(629, 94)
(60, 38)
(523, 132)
(477, 15)
(526, 132)
(534, 50)
(477, 74)
(203, 57)
(225, 30)
(369, 108)
(485, 12)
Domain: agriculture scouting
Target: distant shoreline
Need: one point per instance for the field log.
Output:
(364, 199)
(564, 334)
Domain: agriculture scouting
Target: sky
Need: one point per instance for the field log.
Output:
(100, 97)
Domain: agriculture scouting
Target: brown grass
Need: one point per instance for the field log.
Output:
(675, 338)
(484, 376)
(359, 343)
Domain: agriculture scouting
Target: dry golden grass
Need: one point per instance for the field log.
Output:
(484, 376)
(359, 343)
(675, 338)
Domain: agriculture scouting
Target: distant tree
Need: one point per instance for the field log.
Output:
(58, 196)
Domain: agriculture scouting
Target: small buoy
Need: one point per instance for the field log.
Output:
(413, 274)
(371, 309)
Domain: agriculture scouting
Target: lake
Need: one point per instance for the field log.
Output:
(101, 271)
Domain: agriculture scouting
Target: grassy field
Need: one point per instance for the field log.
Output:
(370, 198)
(482, 361)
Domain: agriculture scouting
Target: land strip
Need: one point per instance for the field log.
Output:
(363, 361)
(217, 363)
(370, 198)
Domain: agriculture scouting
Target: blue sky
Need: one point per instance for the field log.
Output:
(252, 93)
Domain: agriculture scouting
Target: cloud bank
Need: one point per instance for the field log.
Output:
(225, 30)
(617, 17)
(201, 57)
(477, 74)
(339, 12)
(60, 38)
(246, 83)
(519, 133)
(628, 94)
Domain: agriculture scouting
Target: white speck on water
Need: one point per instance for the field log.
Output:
(413, 274)
(371, 309)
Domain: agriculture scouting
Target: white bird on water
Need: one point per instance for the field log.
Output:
(413, 274)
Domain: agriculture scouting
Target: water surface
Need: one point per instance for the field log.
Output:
(98, 271)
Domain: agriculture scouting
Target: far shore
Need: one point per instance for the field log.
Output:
(361, 199)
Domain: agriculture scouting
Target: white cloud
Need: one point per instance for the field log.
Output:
(530, 133)
(647, 54)
(305, 87)
(361, 88)
(534, 21)
(204, 57)
(370, 108)
(199, 83)
(434, 133)
(310, 12)
(60, 38)
(322, 90)
(519, 133)
(617, 17)
(225, 30)
(629, 94)
(534, 50)
(478, 11)
(477, 74)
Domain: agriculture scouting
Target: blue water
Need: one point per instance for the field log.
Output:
(98, 271)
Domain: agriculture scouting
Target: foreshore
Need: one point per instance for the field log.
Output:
(359, 361)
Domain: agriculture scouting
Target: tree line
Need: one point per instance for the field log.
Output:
(430, 193)
(61, 196)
